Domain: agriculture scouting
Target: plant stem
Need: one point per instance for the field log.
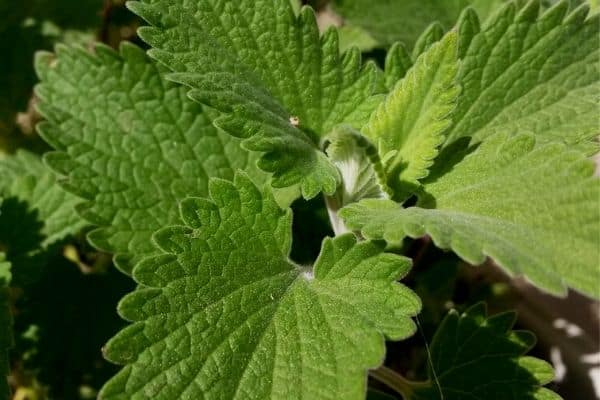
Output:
(395, 381)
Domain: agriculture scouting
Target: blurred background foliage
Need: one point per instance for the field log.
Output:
(57, 355)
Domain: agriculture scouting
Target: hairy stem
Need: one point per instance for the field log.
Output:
(333, 206)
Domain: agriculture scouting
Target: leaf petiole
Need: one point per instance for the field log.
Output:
(395, 381)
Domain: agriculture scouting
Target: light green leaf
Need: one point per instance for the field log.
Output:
(397, 63)
(533, 210)
(487, 8)
(296, 6)
(354, 36)
(390, 21)
(130, 143)
(6, 340)
(225, 314)
(432, 34)
(477, 357)
(281, 86)
(528, 73)
(409, 125)
(573, 3)
(468, 26)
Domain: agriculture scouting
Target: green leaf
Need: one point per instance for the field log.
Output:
(130, 143)
(594, 5)
(354, 36)
(361, 170)
(468, 26)
(431, 35)
(35, 215)
(281, 86)
(487, 8)
(27, 179)
(477, 357)
(533, 210)
(224, 313)
(358, 162)
(397, 63)
(5, 327)
(409, 125)
(296, 6)
(390, 21)
(528, 73)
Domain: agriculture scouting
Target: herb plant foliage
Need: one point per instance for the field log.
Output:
(183, 162)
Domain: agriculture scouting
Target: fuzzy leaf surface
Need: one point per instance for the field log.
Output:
(477, 357)
(534, 211)
(409, 125)
(281, 85)
(432, 34)
(397, 63)
(526, 72)
(130, 143)
(224, 313)
(390, 21)
(363, 175)
(358, 162)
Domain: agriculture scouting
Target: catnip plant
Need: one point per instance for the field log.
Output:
(189, 157)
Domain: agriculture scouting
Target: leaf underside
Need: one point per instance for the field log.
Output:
(477, 357)
(363, 176)
(129, 143)
(534, 211)
(281, 86)
(224, 313)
